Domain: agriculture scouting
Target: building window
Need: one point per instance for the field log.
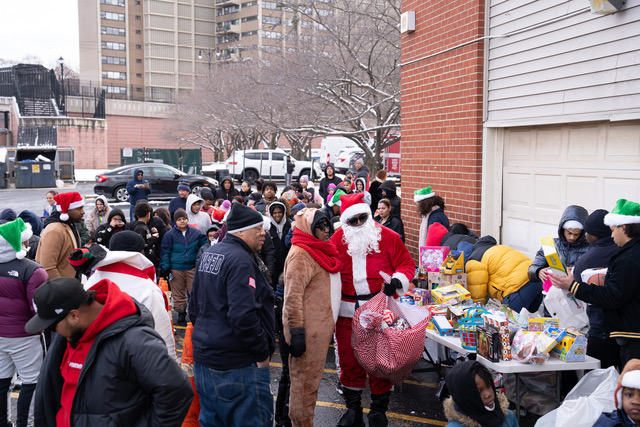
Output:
(227, 10)
(306, 24)
(114, 75)
(115, 89)
(137, 2)
(113, 46)
(138, 31)
(139, 75)
(271, 34)
(112, 31)
(249, 3)
(271, 20)
(323, 12)
(249, 33)
(113, 2)
(228, 38)
(250, 18)
(270, 5)
(138, 89)
(114, 60)
(138, 17)
(138, 46)
(112, 16)
(138, 61)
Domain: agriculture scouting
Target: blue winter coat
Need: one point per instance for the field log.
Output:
(178, 251)
(136, 194)
(617, 418)
(569, 252)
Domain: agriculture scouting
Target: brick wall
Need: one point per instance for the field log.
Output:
(442, 111)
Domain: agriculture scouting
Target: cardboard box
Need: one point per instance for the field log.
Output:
(502, 327)
(552, 254)
(432, 257)
(488, 342)
(536, 324)
(571, 348)
(453, 263)
(442, 325)
(452, 295)
(437, 279)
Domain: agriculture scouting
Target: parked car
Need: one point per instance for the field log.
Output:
(163, 179)
(249, 165)
(343, 163)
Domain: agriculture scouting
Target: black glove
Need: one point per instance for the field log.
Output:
(298, 345)
(167, 275)
(391, 288)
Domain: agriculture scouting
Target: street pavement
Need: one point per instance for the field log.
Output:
(414, 403)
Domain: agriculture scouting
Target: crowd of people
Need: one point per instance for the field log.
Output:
(250, 269)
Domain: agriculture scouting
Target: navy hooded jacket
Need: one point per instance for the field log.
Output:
(135, 193)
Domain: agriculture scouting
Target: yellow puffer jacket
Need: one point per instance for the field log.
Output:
(501, 272)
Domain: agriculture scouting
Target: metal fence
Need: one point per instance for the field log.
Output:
(72, 87)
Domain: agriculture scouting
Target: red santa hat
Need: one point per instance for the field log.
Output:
(67, 201)
(352, 205)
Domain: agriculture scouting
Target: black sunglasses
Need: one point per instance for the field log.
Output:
(357, 219)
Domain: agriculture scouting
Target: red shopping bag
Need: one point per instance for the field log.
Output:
(388, 353)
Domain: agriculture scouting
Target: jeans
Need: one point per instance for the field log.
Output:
(528, 296)
(234, 397)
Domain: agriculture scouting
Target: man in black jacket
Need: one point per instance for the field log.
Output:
(232, 310)
(106, 365)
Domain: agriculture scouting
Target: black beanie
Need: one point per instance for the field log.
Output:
(180, 213)
(242, 217)
(595, 226)
(126, 240)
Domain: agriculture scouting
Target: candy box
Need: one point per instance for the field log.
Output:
(488, 342)
(432, 257)
(453, 263)
(452, 294)
(537, 324)
(571, 348)
(443, 326)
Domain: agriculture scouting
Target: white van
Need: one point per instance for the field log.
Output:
(331, 146)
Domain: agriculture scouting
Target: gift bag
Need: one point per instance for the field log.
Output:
(570, 312)
(388, 353)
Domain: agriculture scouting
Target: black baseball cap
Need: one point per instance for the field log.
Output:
(53, 300)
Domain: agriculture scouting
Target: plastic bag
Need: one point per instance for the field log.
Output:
(388, 353)
(529, 347)
(583, 405)
(570, 312)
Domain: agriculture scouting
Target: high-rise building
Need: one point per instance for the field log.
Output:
(153, 49)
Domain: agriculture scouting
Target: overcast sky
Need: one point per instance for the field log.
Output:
(47, 29)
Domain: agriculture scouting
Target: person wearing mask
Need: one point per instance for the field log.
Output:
(329, 178)
(60, 236)
(116, 223)
(20, 277)
(571, 243)
(179, 202)
(431, 208)
(138, 189)
(197, 218)
(226, 191)
(178, 255)
(385, 218)
(232, 311)
(98, 215)
(619, 297)
(104, 346)
(311, 305)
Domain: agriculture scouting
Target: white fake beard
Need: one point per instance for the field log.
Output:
(362, 240)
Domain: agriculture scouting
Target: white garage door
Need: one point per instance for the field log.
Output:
(547, 168)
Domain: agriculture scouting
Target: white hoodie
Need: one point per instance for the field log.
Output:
(201, 219)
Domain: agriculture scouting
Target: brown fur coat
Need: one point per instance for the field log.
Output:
(453, 414)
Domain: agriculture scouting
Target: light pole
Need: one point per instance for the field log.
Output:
(62, 100)
(209, 55)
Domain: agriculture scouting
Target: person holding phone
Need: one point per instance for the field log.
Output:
(138, 189)
(115, 223)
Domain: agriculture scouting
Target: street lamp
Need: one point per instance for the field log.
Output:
(62, 100)
(209, 55)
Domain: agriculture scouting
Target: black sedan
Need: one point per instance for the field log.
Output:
(163, 179)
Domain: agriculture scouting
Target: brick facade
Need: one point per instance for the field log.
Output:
(442, 111)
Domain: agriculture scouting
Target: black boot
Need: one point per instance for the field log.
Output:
(5, 383)
(182, 316)
(24, 401)
(353, 416)
(378, 413)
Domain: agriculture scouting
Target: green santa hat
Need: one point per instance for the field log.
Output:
(625, 212)
(422, 194)
(335, 200)
(12, 234)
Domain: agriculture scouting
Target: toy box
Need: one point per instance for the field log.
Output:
(421, 297)
(453, 263)
(488, 342)
(454, 313)
(452, 294)
(443, 326)
(432, 257)
(571, 348)
(537, 324)
(501, 324)
(437, 279)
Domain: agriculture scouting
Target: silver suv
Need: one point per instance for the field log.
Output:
(249, 165)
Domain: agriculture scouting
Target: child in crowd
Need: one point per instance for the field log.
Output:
(627, 400)
(330, 189)
(474, 401)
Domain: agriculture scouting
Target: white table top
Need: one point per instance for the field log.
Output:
(512, 366)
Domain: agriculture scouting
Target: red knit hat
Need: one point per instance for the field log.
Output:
(66, 201)
(352, 205)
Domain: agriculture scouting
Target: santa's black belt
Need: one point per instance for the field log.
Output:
(359, 297)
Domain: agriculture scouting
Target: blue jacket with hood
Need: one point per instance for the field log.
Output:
(135, 193)
(569, 251)
(179, 251)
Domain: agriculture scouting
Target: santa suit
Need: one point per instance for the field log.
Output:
(361, 277)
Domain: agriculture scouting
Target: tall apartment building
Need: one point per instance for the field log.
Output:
(154, 49)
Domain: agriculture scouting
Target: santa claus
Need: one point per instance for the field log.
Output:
(366, 248)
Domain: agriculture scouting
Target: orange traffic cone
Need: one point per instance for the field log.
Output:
(187, 365)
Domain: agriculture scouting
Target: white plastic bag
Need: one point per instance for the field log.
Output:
(570, 312)
(592, 396)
